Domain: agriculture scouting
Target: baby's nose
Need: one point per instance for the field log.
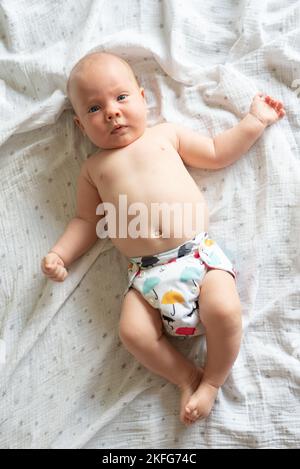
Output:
(112, 114)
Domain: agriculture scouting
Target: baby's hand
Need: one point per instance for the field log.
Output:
(53, 267)
(266, 109)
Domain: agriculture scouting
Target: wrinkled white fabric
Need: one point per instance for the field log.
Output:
(65, 380)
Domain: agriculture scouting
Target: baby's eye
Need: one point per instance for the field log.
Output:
(122, 95)
(94, 109)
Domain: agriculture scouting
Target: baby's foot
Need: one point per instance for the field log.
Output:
(187, 390)
(201, 402)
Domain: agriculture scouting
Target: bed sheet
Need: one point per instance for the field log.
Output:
(66, 381)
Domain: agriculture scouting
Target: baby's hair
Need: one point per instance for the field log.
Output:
(88, 58)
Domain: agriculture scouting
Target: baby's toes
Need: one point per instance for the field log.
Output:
(195, 415)
(188, 420)
(192, 414)
(188, 413)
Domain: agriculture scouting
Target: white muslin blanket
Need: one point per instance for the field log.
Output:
(66, 381)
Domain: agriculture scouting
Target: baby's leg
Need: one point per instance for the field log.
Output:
(141, 331)
(220, 312)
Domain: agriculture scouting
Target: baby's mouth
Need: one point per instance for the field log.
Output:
(117, 128)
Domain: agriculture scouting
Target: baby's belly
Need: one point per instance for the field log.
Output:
(163, 206)
(166, 226)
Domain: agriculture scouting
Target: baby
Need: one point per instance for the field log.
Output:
(180, 281)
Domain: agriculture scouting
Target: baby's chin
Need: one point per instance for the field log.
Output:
(119, 141)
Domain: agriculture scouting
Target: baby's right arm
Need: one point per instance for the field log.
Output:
(80, 234)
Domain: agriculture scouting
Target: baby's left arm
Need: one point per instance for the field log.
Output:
(227, 147)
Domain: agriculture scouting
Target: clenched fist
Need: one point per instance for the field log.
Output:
(53, 267)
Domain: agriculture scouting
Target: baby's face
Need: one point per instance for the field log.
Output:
(105, 95)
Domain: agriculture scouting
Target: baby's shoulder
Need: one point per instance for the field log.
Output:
(167, 130)
(87, 168)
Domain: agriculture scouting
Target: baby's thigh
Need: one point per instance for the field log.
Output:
(139, 320)
(218, 297)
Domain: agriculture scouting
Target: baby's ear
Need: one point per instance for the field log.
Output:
(79, 124)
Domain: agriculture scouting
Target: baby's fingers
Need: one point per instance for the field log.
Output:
(279, 105)
(48, 268)
(59, 275)
(57, 270)
(276, 105)
(282, 113)
(270, 100)
(274, 102)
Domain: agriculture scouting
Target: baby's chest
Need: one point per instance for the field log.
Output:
(147, 163)
(155, 161)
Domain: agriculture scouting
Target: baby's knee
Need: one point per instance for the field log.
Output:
(126, 333)
(138, 335)
(224, 312)
(229, 308)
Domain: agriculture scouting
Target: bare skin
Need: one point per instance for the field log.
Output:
(149, 166)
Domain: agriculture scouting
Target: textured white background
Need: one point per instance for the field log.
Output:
(67, 381)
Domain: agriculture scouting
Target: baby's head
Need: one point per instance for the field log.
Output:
(104, 93)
